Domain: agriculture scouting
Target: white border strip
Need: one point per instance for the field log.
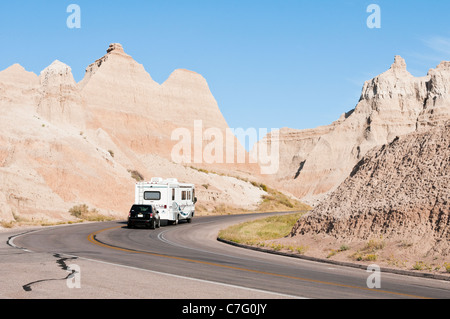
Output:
(11, 243)
(189, 278)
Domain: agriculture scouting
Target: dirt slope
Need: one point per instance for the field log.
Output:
(396, 196)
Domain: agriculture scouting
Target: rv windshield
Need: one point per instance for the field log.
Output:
(152, 195)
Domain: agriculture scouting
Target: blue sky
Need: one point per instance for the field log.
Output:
(269, 64)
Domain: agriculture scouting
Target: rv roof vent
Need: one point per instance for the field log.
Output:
(156, 180)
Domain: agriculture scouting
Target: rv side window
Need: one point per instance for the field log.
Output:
(173, 193)
(152, 195)
(183, 195)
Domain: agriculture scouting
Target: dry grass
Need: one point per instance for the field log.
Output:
(370, 250)
(83, 213)
(276, 201)
(138, 177)
(256, 232)
(20, 221)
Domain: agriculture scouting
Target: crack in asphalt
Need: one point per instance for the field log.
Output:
(61, 261)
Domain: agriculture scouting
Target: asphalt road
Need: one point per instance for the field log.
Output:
(188, 261)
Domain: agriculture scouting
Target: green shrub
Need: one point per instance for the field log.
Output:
(447, 267)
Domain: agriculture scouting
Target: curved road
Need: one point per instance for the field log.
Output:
(191, 251)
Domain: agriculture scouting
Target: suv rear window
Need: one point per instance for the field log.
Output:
(141, 209)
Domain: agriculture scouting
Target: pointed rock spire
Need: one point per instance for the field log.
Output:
(116, 63)
(399, 63)
(116, 47)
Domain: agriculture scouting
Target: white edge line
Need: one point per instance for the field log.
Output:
(189, 278)
(11, 243)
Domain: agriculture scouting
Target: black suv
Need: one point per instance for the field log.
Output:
(144, 215)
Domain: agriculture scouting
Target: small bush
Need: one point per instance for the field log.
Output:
(341, 249)
(370, 257)
(276, 247)
(83, 212)
(364, 257)
(136, 175)
(201, 170)
(447, 267)
(301, 249)
(374, 245)
(419, 265)
(6, 224)
(332, 253)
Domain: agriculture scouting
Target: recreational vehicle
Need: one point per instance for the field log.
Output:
(174, 201)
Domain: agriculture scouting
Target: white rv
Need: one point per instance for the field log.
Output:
(174, 200)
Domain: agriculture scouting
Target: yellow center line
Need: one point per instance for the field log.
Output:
(91, 238)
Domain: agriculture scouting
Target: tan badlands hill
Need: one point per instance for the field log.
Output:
(314, 162)
(397, 194)
(64, 143)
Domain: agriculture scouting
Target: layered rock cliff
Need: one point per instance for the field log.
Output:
(315, 161)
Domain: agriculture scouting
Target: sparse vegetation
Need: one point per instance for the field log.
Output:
(136, 175)
(84, 213)
(201, 170)
(261, 230)
(81, 212)
(369, 251)
(223, 209)
(447, 267)
(277, 201)
(7, 224)
(19, 221)
(273, 201)
(370, 257)
(374, 245)
(301, 249)
(392, 261)
(111, 152)
(259, 185)
(332, 253)
(341, 249)
(419, 265)
(406, 244)
(364, 257)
